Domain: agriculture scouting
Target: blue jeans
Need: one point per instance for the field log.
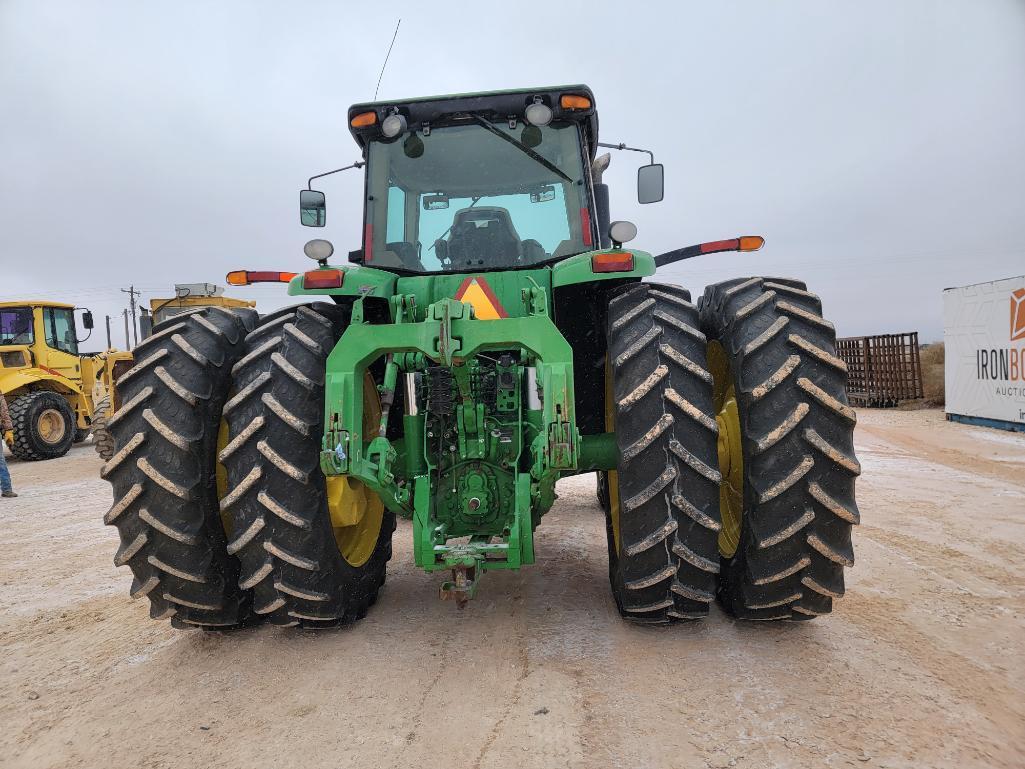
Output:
(5, 474)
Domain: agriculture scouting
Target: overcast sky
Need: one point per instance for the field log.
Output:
(879, 146)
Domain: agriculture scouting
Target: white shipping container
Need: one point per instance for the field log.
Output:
(984, 334)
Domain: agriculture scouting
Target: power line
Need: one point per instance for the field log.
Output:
(132, 293)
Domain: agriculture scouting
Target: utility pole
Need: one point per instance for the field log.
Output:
(128, 341)
(109, 345)
(132, 293)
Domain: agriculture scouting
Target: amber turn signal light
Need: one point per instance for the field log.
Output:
(363, 119)
(612, 261)
(751, 242)
(573, 101)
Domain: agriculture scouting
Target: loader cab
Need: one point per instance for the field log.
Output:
(40, 335)
(484, 182)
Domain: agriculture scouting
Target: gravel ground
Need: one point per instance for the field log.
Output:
(921, 665)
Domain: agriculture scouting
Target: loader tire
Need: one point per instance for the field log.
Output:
(103, 441)
(277, 497)
(789, 506)
(44, 425)
(663, 518)
(164, 470)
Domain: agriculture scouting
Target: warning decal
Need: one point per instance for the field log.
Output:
(476, 292)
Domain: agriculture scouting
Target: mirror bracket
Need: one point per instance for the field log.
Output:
(357, 164)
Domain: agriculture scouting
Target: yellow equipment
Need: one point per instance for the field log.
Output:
(189, 296)
(54, 392)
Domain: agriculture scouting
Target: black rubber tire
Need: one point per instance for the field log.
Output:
(797, 433)
(602, 489)
(668, 477)
(277, 499)
(163, 470)
(25, 410)
(103, 441)
(81, 434)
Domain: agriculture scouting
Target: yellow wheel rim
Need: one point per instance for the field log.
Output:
(51, 426)
(356, 511)
(731, 452)
(613, 476)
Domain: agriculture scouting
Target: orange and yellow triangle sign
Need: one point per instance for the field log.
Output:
(476, 292)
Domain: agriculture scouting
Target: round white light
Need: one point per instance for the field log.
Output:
(393, 125)
(538, 114)
(622, 232)
(319, 249)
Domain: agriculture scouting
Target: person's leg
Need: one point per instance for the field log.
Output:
(5, 475)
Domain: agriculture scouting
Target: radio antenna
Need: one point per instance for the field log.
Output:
(386, 57)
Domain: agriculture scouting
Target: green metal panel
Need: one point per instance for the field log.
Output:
(492, 474)
(510, 288)
(358, 281)
(577, 269)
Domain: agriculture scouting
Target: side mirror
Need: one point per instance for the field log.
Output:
(312, 208)
(650, 183)
(87, 320)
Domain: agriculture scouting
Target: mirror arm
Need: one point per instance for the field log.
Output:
(622, 146)
(357, 164)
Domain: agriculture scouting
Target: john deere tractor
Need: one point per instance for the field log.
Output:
(493, 334)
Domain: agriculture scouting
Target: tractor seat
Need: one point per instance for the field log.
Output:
(484, 236)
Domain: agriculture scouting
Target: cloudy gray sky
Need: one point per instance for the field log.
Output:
(879, 146)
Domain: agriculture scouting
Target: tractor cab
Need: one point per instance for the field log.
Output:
(477, 183)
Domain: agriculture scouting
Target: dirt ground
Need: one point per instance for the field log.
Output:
(921, 665)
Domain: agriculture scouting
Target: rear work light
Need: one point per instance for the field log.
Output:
(246, 277)
(612, 261)
(323, 279)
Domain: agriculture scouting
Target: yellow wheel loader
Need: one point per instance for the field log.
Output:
(55, 393)
(188, 297)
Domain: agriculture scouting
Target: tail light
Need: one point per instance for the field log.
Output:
(323, 279)
(612, 261)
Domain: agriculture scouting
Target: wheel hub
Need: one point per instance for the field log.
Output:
(51, 426)
(356, 512)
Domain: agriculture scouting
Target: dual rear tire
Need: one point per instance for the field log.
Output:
(219, 500)
(737, 466)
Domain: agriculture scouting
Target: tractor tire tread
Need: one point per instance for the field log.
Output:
(160, 452)
(668, 479)
(798, 443)
(276, 495)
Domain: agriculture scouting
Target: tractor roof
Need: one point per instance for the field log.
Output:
(499, 105)
(37, 303)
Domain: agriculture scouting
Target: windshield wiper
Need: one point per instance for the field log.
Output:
(520, 146)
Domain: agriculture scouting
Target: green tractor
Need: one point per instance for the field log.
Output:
(493, 334)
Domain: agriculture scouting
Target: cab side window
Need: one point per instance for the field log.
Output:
(59, 324)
